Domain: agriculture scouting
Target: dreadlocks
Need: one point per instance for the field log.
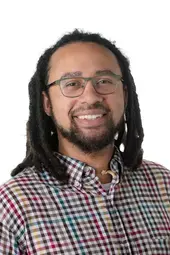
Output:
(42, 138)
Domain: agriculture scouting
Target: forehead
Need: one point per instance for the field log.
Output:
(86, 57)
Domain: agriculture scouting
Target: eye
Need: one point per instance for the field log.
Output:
(72, 84)
(104, 81)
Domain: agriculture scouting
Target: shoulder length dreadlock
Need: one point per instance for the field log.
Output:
(42, 138)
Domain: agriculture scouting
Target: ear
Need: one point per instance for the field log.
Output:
(46, 103)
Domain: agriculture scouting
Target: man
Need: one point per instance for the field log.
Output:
(84, 187)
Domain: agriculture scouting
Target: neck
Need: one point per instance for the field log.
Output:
(98, 160)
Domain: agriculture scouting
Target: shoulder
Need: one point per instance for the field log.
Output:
(15, 193)
(154, 174)
(11, 192)
(149, 179)
(22, 190)
(20, 182)
(26, 184)
(149, 174)
(154, 168)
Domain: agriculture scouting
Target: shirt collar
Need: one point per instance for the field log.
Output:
(79, 172)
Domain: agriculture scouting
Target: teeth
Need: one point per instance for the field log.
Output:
(90, 117)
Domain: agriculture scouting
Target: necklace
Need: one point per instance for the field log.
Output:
(103, 172)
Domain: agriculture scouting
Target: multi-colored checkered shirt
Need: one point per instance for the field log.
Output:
(39, 216)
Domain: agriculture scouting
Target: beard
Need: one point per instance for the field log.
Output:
(90, 143)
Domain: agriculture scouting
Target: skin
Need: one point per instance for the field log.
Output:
(86, 58)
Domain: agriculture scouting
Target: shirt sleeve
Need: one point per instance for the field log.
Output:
(8, 242)
(12, 224)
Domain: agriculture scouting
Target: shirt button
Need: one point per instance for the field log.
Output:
(77, 184)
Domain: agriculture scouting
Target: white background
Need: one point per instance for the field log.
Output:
(140, 28)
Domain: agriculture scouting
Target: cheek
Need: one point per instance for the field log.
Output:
(61, 107)
(116, 104)
(61, 112)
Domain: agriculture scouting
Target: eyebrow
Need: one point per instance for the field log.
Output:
(105, 71)
(71, 74)
(79, 74)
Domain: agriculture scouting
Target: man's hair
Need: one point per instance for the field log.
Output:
(42, 140)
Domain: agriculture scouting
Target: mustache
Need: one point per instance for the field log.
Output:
(94, 106)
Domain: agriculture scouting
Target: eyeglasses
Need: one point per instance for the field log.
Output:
(74, 87)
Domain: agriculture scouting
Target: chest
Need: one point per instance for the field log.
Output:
(134, 222)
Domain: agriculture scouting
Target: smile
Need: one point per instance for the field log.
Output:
(90, 117)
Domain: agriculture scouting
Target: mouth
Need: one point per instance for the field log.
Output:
(91, 120)
(90, 116)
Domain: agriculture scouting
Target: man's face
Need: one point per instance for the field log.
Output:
(91, 120)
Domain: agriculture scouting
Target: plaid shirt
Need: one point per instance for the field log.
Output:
(39, 216)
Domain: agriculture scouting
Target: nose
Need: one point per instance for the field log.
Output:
(89, 95)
